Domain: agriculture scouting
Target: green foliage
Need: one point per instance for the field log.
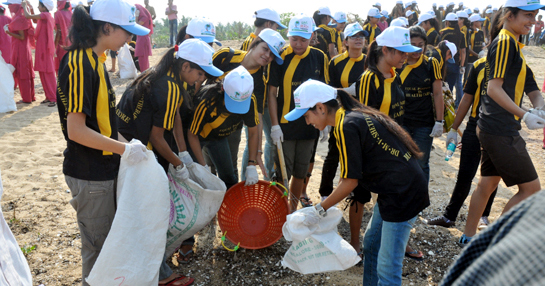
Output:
(233, 31)
(28, 249)
(285, 20)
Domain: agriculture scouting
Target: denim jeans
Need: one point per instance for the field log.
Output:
(173, 27)
(219, 153)
(164, 269)
(384, 248)
(453, 79)
(269, 148)
(421, 136)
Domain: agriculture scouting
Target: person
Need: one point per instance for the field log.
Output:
(443, 52)
(63, 22)
(411, 17)
(264, 19)
(453, 34)
(486, 25)
(87, 116)
(475, 39)
(200, 28)
(538, 28)
(361, 133)
(301, 62)
(222, 109)
(326, 36)
(45, 48)
(143, 43)
(370, 24)
(430, 25)
(439, 14)
(504, 155)
(5, 39)
(397, 11)
(470, 157)
(22, 33)
(378, 6)
(460, 7)
(150, 9)
(339, 21)
(383, 21)
(172, 14)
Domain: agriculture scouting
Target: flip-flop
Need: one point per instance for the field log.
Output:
(305, 201)
(415, 252)
(46, 101)
(185, 256)
(52, 104)
(171, 282)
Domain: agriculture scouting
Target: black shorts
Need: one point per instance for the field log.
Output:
(113, 54)
(507, 157)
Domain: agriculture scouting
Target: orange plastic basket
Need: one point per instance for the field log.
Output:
(253, 216)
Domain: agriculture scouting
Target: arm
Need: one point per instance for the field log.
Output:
(159, 143)
(345, 187)
(57, 35)
(28, 15)
(79, 132)
(195, 145)
(438, 99)
(179, 132)
(462, 57)
(20, 35)
(273, 106)
(471, 52)
(252, 143)
(332, 51)
(536, 99)
(463, 108)
(496, 92)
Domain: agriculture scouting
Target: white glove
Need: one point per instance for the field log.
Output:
(312, 218)
(185, 158)
(276, 135)
(533, 121)
(251, 175)
(351, 89)
(135, 152)
(182, 174)
(452, 134)
(324, 134)
(6, 27)
(462, 70)
(437, 130)
(538, 111)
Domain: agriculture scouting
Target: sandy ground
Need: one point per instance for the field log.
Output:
(35, 204)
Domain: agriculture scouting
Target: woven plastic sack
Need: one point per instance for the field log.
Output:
(193, 204)
(450, 113)
(317, 248)
(7, 102)
(135, 246)
(127, 69)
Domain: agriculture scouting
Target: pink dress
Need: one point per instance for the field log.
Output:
(5, 39)
(63, 21)
(21, 56)
(45, 44)
(143, 43)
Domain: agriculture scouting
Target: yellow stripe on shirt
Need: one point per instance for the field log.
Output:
(341, 142)
(103, 100)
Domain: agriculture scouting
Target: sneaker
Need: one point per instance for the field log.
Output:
(464, 240)
(440, 221)
(483, 223)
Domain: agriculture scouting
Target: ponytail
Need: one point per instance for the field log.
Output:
(499, 20)
(180, 37)
(443, 48)
(318, 18)
(85, 31)
(433, 22)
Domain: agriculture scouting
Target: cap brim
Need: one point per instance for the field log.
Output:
(281, 26)
(377, 16)
(277, 57)
(237, 107)
(300, 34)
(532, 7)
(136, 29)
(365, 33)
(209, 40)
(408, 49)
(212, 70)
(295, 114)
(332, 25)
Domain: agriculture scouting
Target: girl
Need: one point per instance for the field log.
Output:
(63, 22)
(326, 36)
(383, 22)
(452, 34)
(475, 39)
(486, 25)
(412, 17)
(397, 11)
(5, 40)
(143, 43)
(22, 32)
(370, 24)
(339, 21)
(442, 53)
(361, 135)
(430, 25)
(264, 19)
(45, 49)
(504, 155)
(87, 115)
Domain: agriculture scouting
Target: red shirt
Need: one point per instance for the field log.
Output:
(537, 28)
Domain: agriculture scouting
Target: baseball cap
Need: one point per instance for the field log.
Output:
(440, 7)
(451, 47)
(324, 10)
(413, 2)
(307, 95)
(461, 4)
(431, 12)
(118, 12)
(200, 53)
(425, 17)
(397, 38)
(526, 5)
(301, 25)
(354, 28)
(468, 12)
(452, 4)
(399, 2)
(374, 12)
(434, 4)
(378, 4)
(488, 11)
(451, 17)
(475, 18)
(409, 13)
(48, 4)
(202, 28)
(275, 42)
(398, 22)
(476, 9)
(462, 14)
(340, 17)
(495, 9)
(12, 2)
(238, 86)
(384, 13)
(271, 15)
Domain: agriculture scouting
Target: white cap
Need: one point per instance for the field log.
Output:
(397, 38)
(451, 47)
(526, 5)
(409, 13)
(307, 95)
(397, 22)
(451, 4)
(374, 12)
(202, 28)
(425, 17)
(12, 2)
(431, 12)
(48, 4)
(378, 4)
(475, 18)
(200, 53)
(271, 15)
(434, 4)
(461, 14)
(405, 20)
(488, 11)
(275, 42)
(302, 26)
(461, 4)
(399, 2)
(476, 9)
(440, 6)
(407, 4)
(340, 17)
(354, 28)
(324, 10)
(413, 2)
(468, 12)
(118, 12)
(451, 17)
(384, 13)
(238, 86)
(495, 9)
(488, 6)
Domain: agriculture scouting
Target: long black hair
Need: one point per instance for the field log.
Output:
(318, 18)
(180, 37)
(433, 22)
(85, 31)
(373, 56)
(499, 20)
(349, 103)
(443, 48)
(214, 94)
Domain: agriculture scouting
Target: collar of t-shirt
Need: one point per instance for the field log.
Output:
(429, 31)
(299, 56)
(252, 35)
(506, 32)
(408, 68)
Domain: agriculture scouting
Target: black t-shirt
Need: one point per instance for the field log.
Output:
(381, 162)
(433, 37)
(247, 42)
(339, 41)
(388, 96)
(325, 36)
(436, 54)
(417, 81)
(507, 62)
(458, 39)
(373, 32)
(344, 70)
(288, 77)
(476, 84)
(476, 41)
(83, 86)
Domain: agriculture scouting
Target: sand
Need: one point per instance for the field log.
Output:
(36, 206)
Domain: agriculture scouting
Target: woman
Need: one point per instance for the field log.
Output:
(326, 36)
(443, 52)
(143, 43)
(5, 40)
(475, 38)
(397, 11)
(453, 34)
(22, 33)
(384, 20)
(45, 49)
(222, 109)
(63, 22)
(264, 19)
(370, 24)
(361, 133)
(504, 155)
(412, 17)
(430, 25)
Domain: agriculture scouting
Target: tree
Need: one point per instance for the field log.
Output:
(285, 20)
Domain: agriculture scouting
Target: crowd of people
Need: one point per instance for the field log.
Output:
(372, 90)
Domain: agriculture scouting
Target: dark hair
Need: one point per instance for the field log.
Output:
(454, 25)
(215, 94)
(85, 31)
(443, 48)
(349, 103)
(419, 32)
(499, 20)
(373, 56)
(467, 23)
(255, 42)
(318, 18)
(260, 22)
(67, 5)
(180, 37)
(42, 4)
(433, 22)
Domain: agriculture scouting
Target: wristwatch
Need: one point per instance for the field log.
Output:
(321, 210)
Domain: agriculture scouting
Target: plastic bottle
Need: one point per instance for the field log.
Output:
(450, 149)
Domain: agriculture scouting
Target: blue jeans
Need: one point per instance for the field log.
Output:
(268, 152)
(173, 27)
(220, 154)
(454, 79)
(384, 248)
(421, 136)
(164, 269)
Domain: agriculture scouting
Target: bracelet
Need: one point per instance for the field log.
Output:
(259, 151)
(252, 161)
(440, 121)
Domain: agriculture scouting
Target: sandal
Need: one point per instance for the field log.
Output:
(415, 255)
(20, 102)
(52, 104)
(183, 258)
(182, 277)
(46, 101)
(305, 201)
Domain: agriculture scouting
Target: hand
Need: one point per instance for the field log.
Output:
(6, 28)
(324, 134)
(251, 175)
(135, 152)
(538, 111)
(312, 218)
(276, 134)
(533, 121)
(437, 130)
(452, 134)
(185, 158)
(181, 174)
(462, 70)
